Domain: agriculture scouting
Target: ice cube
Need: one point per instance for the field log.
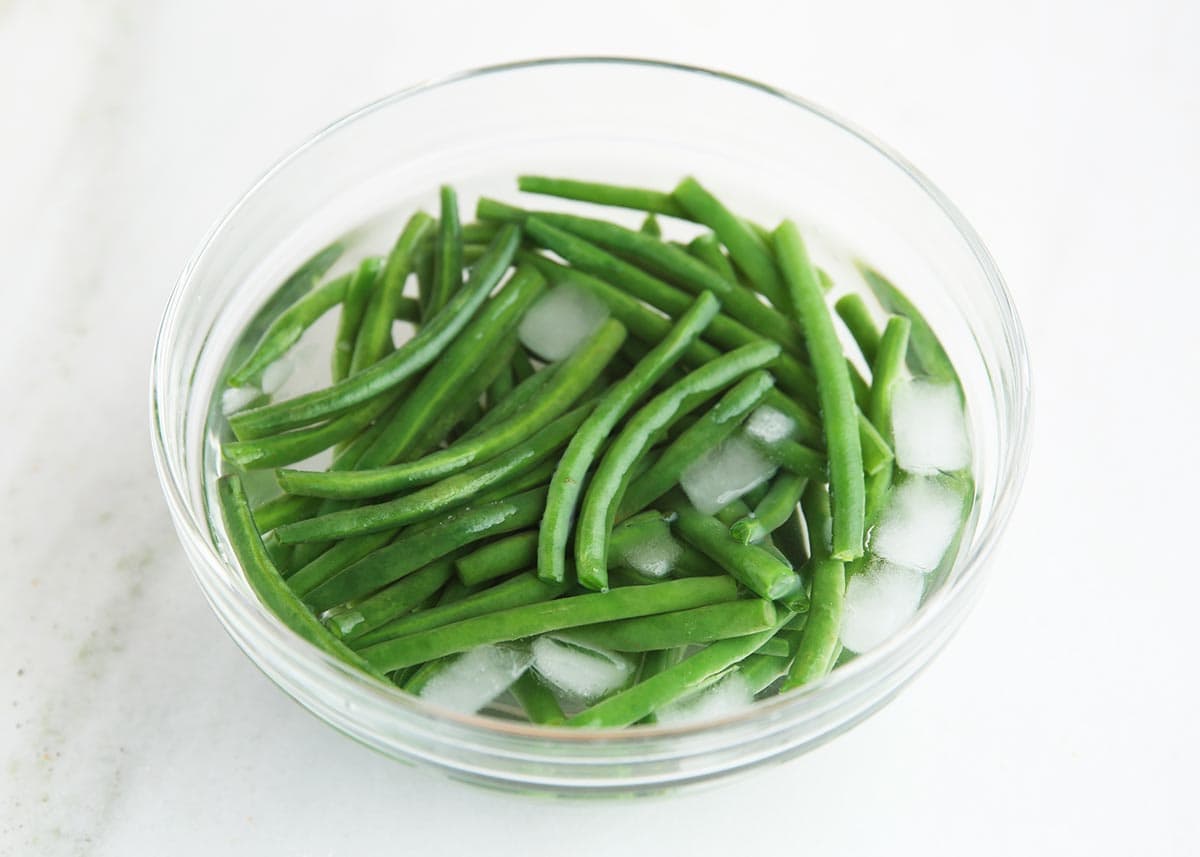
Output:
(559, 320)
(769, 425)
(582, 672)
(928, 427)
(475, 678)
(918, 523)
(879, 601)
(724, 474)
(652, 556)
(233, 399)
(728, 695)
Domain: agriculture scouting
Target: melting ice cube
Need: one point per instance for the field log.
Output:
(917, 525)
(879, 601)
(582, 672)
(724, 474)
(476, 677)
(928, 427)
(560, 319)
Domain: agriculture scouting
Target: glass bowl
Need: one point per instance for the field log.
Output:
(769, 154)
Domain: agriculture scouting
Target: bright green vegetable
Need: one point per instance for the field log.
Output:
(854, 312)
(651, 201)
(523, 589)
(773, 511)
(448, 252)
(611, 478)
(374, 338)
(537, 700)
(520, 622)
(547, 401)
(395, 600)
(926, 355)
(683, 628)
(752, 566)
(885, 372)
(691, 674)
(413, 356)
(354, 307)
(842, 444)
(819, 641)
(264, 579)
(567, 484)
(411, 552)
(499, 558)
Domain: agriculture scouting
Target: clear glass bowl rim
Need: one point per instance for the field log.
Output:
(193, 529)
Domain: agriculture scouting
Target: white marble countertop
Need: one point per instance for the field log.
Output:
(1061, 720)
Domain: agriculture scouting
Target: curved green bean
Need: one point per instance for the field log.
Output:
(886, 371)
(394, 600)
(548, 399)
(854, 312)
(286, 330)
(718, 423)
(354, 307)
(610, 480)
(374, 338)
(925, 353)
(520, 622)
(475, 345)
(425, 346)
(264, 578)
(707, 248)
(842, 444)
(567, 484)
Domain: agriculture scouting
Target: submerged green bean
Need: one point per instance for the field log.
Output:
(752, 566)
(425, 346)
(611, 478)
(819, 640)
(773, 511)
(655, 202)
(354, 307)
(567, 484)
(499, 558)
(854, 312)
(925, 354)
(520, 622)
(683, 628)
(842, 444)
(885, 372)
(448, 253)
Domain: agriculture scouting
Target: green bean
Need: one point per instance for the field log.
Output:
(791, 456)
(567, 484)
(610, 480)
(474, 346)
(820, 637)
(499, 559)
(548, 400)
(287, 329)
(409, 310)
(650, 327)
(454, 590)
(598, 241)
(410, 552)
(413, 356)
(524, 392)
(876, 453)
(650, 226)
(398, 599)
(374, 338)
(501, 387)
(842, 443)
(682, 628)
(537, 700)
(885, 372)
(282, 510)
(354, 306)
(707, 248)
(776, 647)
(291, 290)
(860, 388)
(750, 565)
(448, 255)
(520, 622)
(299, 444)
(857, 317)
(761, 670)
(523, 589)
(926, 355)
(749, 251)
(264, 578)
(773, 511)
(655, 662)
(522, 367)
(692, 673)
(452, 491)
(479, 233)
(652, 201)
(423, 265)
(279, 553)
(334, 559)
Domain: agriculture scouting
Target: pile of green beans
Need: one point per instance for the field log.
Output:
(477, 495)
